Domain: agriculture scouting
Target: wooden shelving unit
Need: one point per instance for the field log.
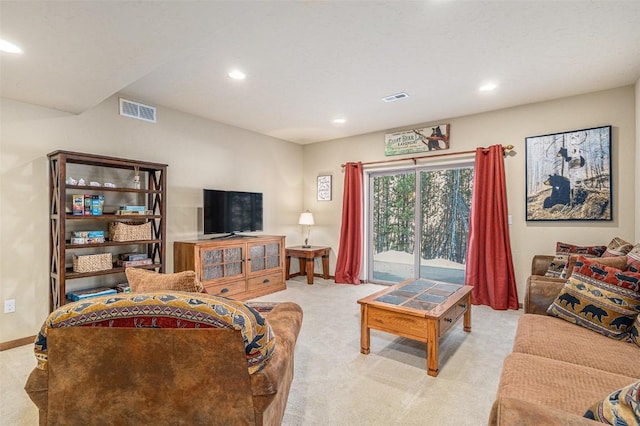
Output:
(153, 193)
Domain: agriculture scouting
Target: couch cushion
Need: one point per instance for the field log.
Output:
(598, 297)
(557, 266)
(165, 310)
(510, 412)
(622, 407)
(553, 338)
(618, 262)
(588, 251)
(556, 384)
(142, 280)
(562, 256)
(617, 247)
(633, 259)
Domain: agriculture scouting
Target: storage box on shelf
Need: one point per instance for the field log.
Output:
(92, 262)
(129, 231)
(241, 268)
(76, 239)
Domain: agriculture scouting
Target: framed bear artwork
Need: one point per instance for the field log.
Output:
(569, 175)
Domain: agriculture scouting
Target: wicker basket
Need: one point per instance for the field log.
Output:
(129, 231)
(92, 262)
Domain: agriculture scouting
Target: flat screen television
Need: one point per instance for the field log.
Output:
(229, 212)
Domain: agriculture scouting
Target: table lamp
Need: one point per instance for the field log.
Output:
(306, 218)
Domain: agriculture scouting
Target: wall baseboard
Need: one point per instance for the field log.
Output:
(17, 343)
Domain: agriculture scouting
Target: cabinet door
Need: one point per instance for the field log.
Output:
(220, 263)
(264, 256)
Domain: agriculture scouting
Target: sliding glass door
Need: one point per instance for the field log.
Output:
(419, 236)
(392, 216)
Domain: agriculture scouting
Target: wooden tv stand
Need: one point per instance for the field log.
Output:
(240, 268)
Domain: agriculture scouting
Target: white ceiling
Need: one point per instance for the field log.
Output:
(308, 62)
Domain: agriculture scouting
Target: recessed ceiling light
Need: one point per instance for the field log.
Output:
(8, 47)
(339, 120)
(488, 87)
(237, 75)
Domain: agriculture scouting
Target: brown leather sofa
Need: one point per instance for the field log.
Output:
(164, 376)
(558, 370)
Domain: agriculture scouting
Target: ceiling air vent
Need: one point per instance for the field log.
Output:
(137, 110)
(395, 97)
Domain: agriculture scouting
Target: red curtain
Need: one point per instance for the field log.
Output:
(489, 261)
(350, 251)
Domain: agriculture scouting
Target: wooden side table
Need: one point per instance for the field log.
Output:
(306, 256)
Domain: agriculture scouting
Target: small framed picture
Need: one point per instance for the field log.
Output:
(324, 188)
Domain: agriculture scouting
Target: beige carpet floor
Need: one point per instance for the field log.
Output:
(334, 384)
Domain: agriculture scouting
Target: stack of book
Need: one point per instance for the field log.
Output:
(87, 205)
(133, 259)
(87, 237)
(92, 292)
(131, 210)
(123, 288)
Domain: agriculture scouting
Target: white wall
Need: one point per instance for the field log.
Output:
(508, 126)
(200, 154)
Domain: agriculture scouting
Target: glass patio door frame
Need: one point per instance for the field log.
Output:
(369, 207)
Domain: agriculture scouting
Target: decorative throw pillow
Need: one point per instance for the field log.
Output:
(600, 298)
(634, 333)
(165, 310)
(142, 280)
(586, 251)
(557, 266)
(562, 256)
(633, 259)
(621, 407)
(618, 262)
(617, 247)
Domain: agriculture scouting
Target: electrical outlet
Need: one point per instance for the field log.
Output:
(9, 306)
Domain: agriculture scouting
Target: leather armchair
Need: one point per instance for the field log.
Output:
(177, 376)
(541, 291)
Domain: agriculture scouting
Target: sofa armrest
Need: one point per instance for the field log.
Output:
(540, 263)
(275, 378)
(508, 412)
(37, 387)
(540, 293)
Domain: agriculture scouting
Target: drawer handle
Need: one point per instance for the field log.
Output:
(266, 280)
(448, 320)
(224, 290)
(463, 305)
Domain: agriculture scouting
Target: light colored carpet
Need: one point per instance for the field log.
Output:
(334, 384)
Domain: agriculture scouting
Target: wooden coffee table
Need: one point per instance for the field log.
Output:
(417, 309)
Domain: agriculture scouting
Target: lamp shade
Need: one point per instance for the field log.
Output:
(306, 218)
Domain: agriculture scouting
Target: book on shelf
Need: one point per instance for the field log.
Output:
(132, 212)
(132, 263)
(97, 204)
(86, 240)
(91, 292)
(123, 288)
(133, 208)
(132, 256)
(87, 237)
(87, 234)
(78, 204)
(87, 204)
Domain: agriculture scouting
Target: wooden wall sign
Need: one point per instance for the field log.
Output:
(434, 138)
